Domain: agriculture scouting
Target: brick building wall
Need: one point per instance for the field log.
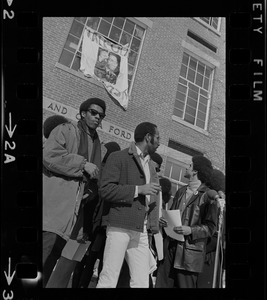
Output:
(155, 85)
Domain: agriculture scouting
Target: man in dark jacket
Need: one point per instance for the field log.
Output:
(130, 184)
(183, 261)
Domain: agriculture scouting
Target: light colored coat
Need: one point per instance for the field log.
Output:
(62, 179)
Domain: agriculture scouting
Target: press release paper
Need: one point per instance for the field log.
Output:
(173, 218)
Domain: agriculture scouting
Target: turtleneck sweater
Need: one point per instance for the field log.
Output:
(192, 187)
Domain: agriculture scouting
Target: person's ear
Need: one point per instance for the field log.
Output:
(148, 137)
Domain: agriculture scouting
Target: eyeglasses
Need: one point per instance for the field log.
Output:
(94, 112)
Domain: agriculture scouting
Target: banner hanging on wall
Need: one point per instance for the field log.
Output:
(108, 63)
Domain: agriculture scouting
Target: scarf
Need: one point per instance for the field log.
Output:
(89, 146)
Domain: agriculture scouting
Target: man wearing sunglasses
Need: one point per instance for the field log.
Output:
(71, 164)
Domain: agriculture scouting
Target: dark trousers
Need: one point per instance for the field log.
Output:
(52, 248)
(170, 277)
(84, 270)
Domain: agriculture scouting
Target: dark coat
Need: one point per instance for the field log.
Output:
(201, 215)
(122, 173)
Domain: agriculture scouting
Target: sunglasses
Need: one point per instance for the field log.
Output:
(94, 112)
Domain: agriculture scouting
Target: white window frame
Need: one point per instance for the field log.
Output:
(217, 31)
(212, 63)
(142, 22)
(179, 163)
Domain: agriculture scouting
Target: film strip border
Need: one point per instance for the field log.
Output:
(21, 182)
(246, 149)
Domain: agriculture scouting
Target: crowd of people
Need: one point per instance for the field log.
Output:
(104, 204)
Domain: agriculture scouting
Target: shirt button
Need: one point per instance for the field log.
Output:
(139, 208)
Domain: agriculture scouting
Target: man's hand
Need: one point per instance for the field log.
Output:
(91, 169)
(163, 222)
(149, 189)
(184, 230)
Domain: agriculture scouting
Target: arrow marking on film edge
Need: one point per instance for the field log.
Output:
(8, 277)
(9, 129)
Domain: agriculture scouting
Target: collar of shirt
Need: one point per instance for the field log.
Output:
(141, 155)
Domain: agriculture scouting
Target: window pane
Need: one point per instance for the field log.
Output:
(183, 71)
(193, 64)
(190, 111)
(206, 83)
(135, 44)
(179, 105)
(215, 22)
(191, 75)
(206, 19)
(129, 26)
(176, 172)
(177, 112)
(185, 59)
(180, 96)
(182, 88)
(81, 19)
(189, 119)
(93, 22)
(71, 43)
(76, 63)
(104, 28)
(193, 94)
(125, 39)
(200, 124)
(109, 19)
(201, 116)
(66, 58)
(182, 81)
(139, 32)
(192, 103)
(130, 70)
(207, 72)
(193, 87)
(115, 34)
(167, 169)
(202, 108)
(132, 57)
(119, 22)
(199, 80)
(200, 68)
(203, 100)
(76, 29)
(203, 92)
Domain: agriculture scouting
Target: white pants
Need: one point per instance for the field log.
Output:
(133, 246)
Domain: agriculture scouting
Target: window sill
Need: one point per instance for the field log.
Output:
(176, 119)
(78, 74)
(208, 26)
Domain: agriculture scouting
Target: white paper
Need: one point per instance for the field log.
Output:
(173, 218)
(159, 244)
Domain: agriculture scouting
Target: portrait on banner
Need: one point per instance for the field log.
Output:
(106, 62)
(107, 66)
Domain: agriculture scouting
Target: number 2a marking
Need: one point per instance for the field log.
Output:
(9, 145)
(10, 14)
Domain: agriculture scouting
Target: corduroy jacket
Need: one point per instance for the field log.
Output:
(122, 173)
